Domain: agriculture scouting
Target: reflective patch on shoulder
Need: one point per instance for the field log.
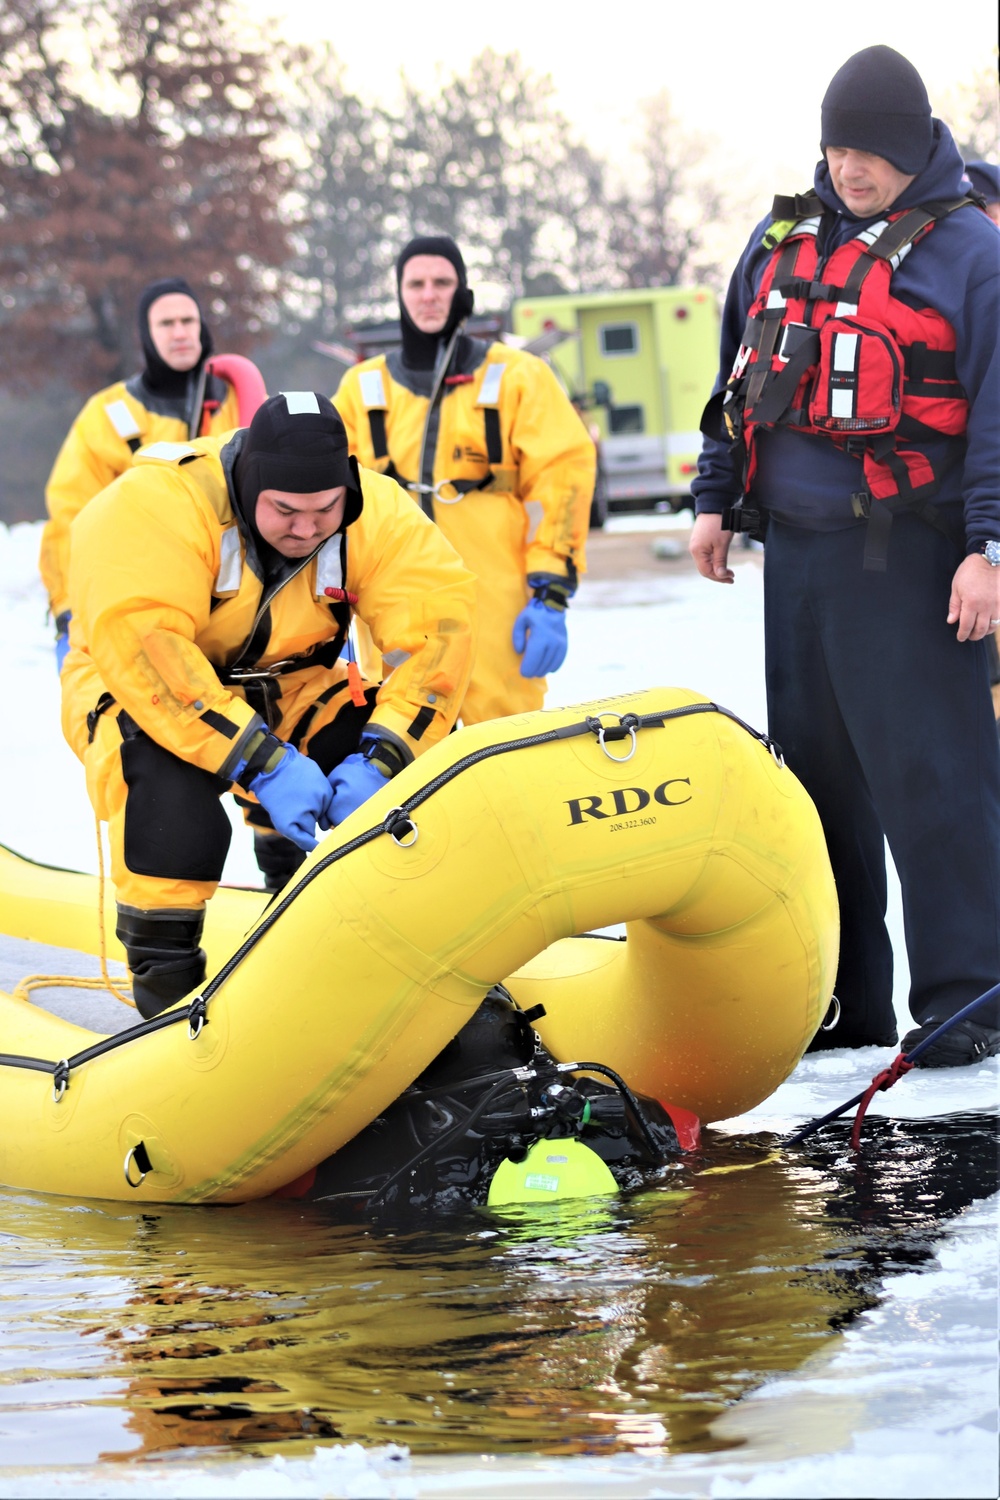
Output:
(170, 453)
(122, 420)
(230, 562)
(372, 388)
(301, 403)
(870, 235)
(329, 573)
(535, 510)
(489, 391)
(394, 659)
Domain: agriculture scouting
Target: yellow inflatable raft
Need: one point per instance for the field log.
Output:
(480, 861)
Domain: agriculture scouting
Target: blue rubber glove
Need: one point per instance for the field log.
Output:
(62, 638)
(353, 782)
(540, 638)
(295, 796)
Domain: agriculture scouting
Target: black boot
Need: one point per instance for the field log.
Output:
(277, 859)
(967, 1042)
(163, 954)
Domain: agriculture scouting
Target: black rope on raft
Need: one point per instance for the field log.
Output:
(398, 819)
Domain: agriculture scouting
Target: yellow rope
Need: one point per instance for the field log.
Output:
(22, 990)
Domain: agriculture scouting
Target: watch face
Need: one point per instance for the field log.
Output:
(991, 552)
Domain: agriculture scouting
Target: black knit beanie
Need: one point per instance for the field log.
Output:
(296, 442)
(877, 102)
(158, 374)
(420, 349)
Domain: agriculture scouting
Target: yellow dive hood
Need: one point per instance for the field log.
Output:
(656, 809)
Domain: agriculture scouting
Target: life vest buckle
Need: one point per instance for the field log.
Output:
(747, 520)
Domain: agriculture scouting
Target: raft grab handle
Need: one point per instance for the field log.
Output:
(139, 1155)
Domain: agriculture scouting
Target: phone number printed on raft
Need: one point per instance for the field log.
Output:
(631, 823)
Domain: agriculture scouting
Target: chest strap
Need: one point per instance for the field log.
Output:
(380, 441)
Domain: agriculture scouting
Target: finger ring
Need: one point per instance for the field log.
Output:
(995, 622)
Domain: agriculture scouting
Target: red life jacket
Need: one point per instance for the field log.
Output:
(828, 350)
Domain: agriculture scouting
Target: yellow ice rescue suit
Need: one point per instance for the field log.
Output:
(503, 464)
(177, 646)
(100, 445)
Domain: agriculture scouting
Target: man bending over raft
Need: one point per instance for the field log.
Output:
(213, 585)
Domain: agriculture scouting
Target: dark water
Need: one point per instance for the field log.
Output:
(619, 1326)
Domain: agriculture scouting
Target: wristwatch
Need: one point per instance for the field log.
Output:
(991, 551)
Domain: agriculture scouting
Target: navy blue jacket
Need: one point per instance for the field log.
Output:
(804, 479)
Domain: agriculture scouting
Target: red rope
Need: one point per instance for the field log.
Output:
(884, 1080)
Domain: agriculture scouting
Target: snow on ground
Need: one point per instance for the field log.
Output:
(906, 1403)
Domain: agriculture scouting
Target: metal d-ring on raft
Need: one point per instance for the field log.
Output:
(478, 863)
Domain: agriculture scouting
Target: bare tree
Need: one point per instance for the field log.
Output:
(658, 231)
(490, 160)
(136, 140)
(345, 200)
(974, 116)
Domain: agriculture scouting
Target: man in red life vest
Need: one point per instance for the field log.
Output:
(855, 420)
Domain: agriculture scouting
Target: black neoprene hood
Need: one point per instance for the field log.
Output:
(157, 374)
(420, 349)
(297, 443)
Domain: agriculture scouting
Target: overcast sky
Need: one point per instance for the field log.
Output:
(749, 75)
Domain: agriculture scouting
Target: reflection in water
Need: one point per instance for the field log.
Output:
(621, 1325)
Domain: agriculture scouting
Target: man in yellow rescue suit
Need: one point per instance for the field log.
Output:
(170, 399)
(488, 444)
(213, 585)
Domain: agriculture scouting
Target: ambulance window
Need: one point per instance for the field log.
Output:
(618, 339)
(627, 419)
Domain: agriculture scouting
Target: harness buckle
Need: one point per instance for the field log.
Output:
(251, 674)
(436, 491)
